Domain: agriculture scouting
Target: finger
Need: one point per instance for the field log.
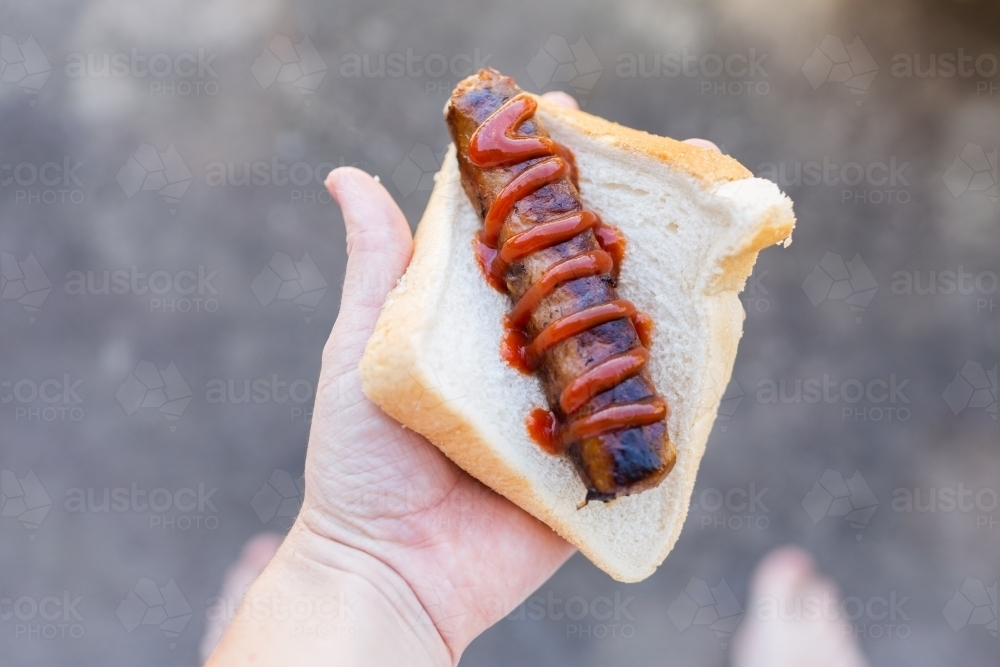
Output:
(562, 99)
(704, 143)
(379, 244)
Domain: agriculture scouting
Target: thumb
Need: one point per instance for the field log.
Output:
(379, 244)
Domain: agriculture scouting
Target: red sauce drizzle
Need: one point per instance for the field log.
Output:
(544, 429)
(613, 243)
(512, 349)
(644, 327)
(495, 144)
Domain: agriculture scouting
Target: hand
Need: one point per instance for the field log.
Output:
(434, 556)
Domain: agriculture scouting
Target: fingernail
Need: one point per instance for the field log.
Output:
(335, 181)
(331, 179)
(562, 99)
(703, 143)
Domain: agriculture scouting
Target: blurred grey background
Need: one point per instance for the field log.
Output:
(171, 269)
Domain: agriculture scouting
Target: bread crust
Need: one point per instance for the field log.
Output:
(706, 166)
(396, 378)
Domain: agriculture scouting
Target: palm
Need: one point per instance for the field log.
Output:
(469, 554)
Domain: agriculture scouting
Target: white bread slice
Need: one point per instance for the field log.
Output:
(694, 221)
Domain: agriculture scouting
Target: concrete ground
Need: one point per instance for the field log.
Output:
(148, 283)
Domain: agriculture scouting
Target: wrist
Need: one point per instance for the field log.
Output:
(318, 601)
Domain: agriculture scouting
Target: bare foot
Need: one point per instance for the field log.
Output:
(255, 555)
(793, 618)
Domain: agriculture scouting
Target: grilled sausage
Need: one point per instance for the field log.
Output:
(580, 337)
